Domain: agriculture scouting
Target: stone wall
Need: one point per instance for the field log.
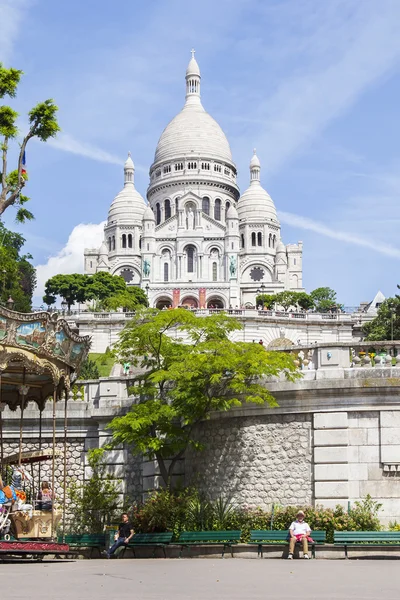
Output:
(255, 460)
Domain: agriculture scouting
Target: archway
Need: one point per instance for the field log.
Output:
(163, 302)
(190, 302)
(281, 342)
(215, 302)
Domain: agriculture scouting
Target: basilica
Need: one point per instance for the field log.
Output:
(197, 241)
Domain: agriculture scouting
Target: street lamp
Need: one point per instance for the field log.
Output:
(147, 287)
(10, 303)
(261, 290)
(64, 305)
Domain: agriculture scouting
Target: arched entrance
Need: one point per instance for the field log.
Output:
(215, 302)
(190, 302)
(163, 302)
(281, 342)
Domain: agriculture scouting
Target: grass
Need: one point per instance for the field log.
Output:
(105, 362)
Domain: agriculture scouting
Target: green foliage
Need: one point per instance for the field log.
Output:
(17, 275)
(182, 383)
(89, 369)
(103, 285)
(266, 300)
(388, 315)
(104, 362)
(286, 300)
(95, 502)
(70, 287)
(188, 510)
(42, 125)
(324, 299)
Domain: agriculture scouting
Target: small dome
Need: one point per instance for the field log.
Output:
(148, 214)
(128, 206)
(129, 162)
(103, 249)
(193, 67)
(255, 204)
(232, 213)
(280, 247)
(255, 162)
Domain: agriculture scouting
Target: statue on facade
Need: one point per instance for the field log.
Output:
(146, 267)
(190, 218)
(232, 266)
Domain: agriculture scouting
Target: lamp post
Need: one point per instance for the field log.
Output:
(147, 287)
(261, 290)
(64, 305)
(392, 310)
(10, 303)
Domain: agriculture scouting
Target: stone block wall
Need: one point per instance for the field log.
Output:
(257, 461)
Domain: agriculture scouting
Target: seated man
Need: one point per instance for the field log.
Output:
(299, 532)
(125, 532)
(45, 497)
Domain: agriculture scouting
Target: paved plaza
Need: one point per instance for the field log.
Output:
(207, 579)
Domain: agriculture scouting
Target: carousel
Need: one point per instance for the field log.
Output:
(39, 358)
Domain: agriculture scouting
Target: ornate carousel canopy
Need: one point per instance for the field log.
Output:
(39, 354)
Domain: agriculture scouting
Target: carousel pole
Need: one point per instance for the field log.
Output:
(54, 464)
(1, 433)
(40, 443)
(23, 390)
(66, 392)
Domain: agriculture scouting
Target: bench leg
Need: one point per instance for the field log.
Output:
(345, 551)
(165, 554)
(313, 550)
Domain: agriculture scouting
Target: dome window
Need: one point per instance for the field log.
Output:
(123, 240)
(129, 240)
(179, 167)
(192, 165)
(259, 238)
(113, 242)
(217, 209)
(218, 168)
(253, 238)
(109, 244)
(206, 205)
(167, 169)
(242, 240)
(227, 171)
(158, 214)
(214, 271)
(166, 269)
(167, 208)
(205, 166)
(158, 173)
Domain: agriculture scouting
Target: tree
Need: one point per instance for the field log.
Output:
(72, 288)
(189, 368)
(286, 299)
(385, 323)
(324, 299)
(304, 300)
(103, 285)
(42, 125)
(17, 275)
(89, 370)
(266, 300)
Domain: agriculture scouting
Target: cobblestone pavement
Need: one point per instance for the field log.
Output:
(203, 579)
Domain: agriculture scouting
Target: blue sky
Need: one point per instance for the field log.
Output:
(313, 85)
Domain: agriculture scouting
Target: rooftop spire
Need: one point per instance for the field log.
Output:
(254, 168)
(193, 81)
(129, 170)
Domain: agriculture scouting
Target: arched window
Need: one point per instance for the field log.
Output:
(158, 214)
(113, 242)
(242, 240)
(217, 209)
(167, 209)
(190, 259)
(166, 271)
(214, 271)
(270, 240)
(176, 205)
(253, 238)
(140, 243)
(129, 240)
(274, 241)
(227, 205)
(206, 205)
(109, 244)
(259, 238)
(123, 240)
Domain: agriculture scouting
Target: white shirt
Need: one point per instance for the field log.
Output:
(298, 528)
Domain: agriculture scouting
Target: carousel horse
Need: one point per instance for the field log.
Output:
(12, 496)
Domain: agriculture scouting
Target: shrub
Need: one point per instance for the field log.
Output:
(188, 510)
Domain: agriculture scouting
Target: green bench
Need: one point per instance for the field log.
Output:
(366, 538)
(193, 538)
(156, 540)
(94, 541)
(271, 537)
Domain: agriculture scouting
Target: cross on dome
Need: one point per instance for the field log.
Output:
(193, 51)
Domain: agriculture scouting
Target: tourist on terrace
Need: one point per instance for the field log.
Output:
(299, 532)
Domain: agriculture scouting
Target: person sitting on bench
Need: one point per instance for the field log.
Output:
(299, 531)
(125, 532)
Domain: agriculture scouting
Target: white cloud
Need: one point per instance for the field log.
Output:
(345, 236)
(67, 143)
(70, 258)
(12, 13)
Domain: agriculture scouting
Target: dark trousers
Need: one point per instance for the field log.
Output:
(117, 544)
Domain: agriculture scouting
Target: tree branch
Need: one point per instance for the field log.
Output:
(4, 201)
(4, 169)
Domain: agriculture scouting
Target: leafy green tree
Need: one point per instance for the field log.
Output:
(72, 288)
(266, 300)
(189, 368)
(42, 125)
(286, 299)
(303, 300)
(17, 275)
(130, 299)
(89, 370)
(103, 285)
(324, 299)
(96, 501)
(386, 321)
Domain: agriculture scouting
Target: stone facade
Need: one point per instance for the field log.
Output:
(257, 461)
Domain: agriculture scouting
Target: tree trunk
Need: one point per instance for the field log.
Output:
(163, 469)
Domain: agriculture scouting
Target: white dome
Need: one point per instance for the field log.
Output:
(127, 207)
(255, 204)
(193, 67)
(148, 214)
(232, 213)
(280, 247)
(193, 132)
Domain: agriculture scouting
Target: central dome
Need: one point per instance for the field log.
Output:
(193, 130)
